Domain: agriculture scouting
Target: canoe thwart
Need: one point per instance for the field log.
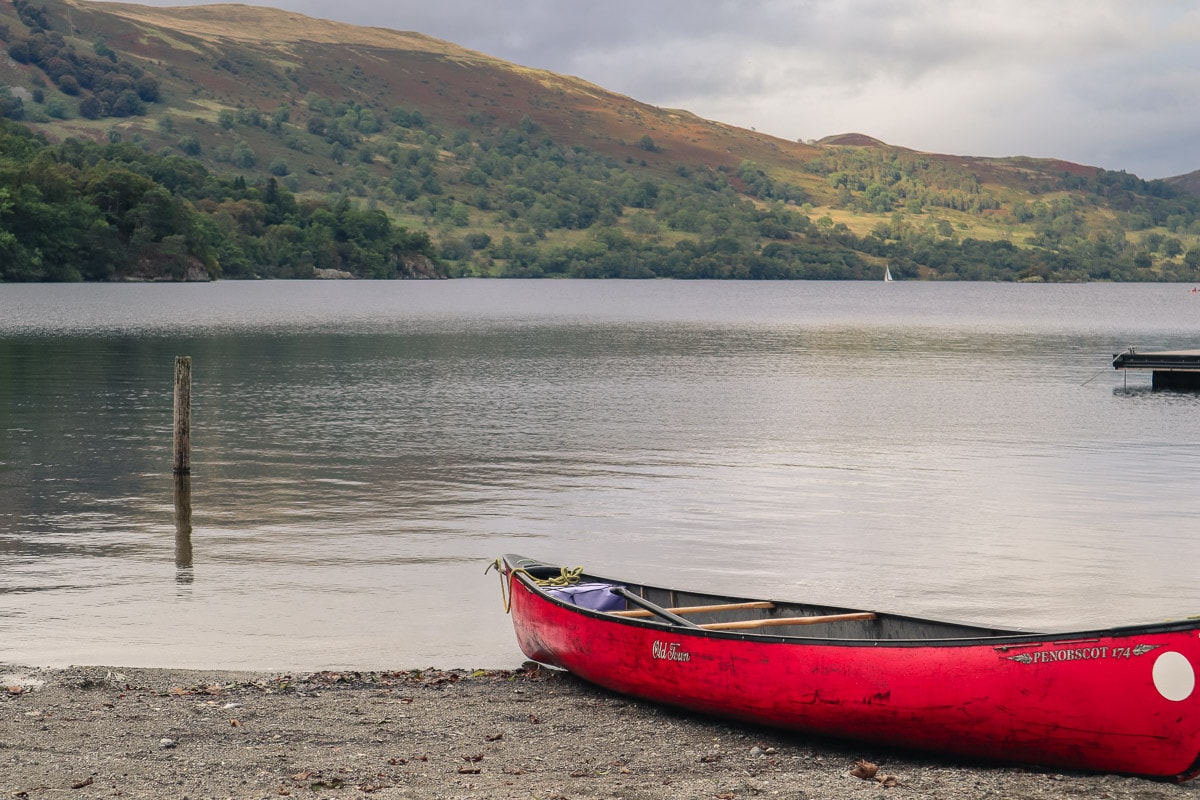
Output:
(772, 621)
(641, 612)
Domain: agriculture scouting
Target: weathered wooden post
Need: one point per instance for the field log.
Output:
(183, 415)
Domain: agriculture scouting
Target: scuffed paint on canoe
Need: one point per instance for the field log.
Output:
(1123, 700)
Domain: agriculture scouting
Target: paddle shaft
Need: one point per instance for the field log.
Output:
(642, 612)
(773, 621)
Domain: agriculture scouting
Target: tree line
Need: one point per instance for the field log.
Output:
(85, 211)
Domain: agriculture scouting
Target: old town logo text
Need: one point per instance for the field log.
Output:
(669, 651)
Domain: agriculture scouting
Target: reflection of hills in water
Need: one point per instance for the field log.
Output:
(350, 480)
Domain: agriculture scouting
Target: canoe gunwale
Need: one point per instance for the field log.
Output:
(1001, 639)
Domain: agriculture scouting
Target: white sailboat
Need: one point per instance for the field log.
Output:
(887, 274)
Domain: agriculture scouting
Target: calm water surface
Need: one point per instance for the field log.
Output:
(363, 450)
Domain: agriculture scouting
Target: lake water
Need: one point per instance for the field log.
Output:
(363, 450)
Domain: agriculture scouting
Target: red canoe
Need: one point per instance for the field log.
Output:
(1117, 700)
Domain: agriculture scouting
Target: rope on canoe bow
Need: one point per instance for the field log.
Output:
(565, 577)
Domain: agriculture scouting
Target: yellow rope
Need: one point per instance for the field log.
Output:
(565, 577)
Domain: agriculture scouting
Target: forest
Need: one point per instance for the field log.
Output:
(81, 211)
(87, 211)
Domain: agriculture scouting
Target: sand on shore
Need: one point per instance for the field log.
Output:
(86, 732)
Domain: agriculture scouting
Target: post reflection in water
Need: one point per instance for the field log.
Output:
(183, 529)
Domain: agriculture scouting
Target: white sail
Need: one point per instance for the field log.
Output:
(887, 274)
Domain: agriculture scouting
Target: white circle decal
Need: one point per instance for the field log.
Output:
(1173, 676)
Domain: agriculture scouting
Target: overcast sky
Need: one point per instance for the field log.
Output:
(1109, 83)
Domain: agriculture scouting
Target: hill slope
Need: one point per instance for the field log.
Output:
(518, 171)
(234, 56)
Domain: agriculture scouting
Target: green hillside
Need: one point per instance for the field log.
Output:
(463, 164)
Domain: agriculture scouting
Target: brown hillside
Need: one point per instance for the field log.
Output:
(217, 61)
(1189, 182)
(228, 56)
(260, 25)
(446, 82)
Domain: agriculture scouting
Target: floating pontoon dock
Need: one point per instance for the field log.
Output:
(1173, 369)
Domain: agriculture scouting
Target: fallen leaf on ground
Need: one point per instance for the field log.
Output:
(333, 783)
(864, 769)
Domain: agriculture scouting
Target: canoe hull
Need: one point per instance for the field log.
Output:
(1120, 701)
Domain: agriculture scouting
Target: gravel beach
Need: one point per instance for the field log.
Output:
(85, 732)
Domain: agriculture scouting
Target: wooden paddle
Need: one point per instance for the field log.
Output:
(641, 612)
(770, 622)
